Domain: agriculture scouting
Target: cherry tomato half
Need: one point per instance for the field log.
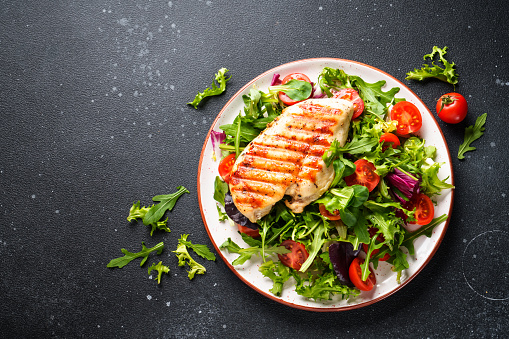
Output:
(249, 231)
(380, 238)
(297, 76)
(389, 139)
(408, 117)
(351, 95)
(452, 108)
(424, 208)
(355, 273)
(364, 175)
(327, 214)
(225, 167)
(296, 257)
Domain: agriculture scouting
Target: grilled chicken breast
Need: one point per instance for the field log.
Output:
(286, 158)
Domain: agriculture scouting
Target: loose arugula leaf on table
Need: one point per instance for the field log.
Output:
(202, 250)
(472, 133)
(137, 212)
(160, 268)
(166, 202)
(130, 256)
(185, 258)
(447, 73)
(221, 79)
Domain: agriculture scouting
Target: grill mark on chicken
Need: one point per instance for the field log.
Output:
(286, 158)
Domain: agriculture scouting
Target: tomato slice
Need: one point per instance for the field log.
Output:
(296, 257)
(297, 76)
(355, 273)
(389, 139)
(380, 238)
(327, 214)
(249, 231)
(225, 167)
(364, 175)
(408, 117)
(351, 95)
(424, 208)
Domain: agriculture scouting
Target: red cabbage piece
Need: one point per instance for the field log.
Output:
(404, 183)
(234, 214)
(341, 255)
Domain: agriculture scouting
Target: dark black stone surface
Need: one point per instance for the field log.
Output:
(93, 116)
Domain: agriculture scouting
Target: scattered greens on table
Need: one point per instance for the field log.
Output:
(221, 80)
(472, 133)
(358, 208)
(151, 216)
(447, 73)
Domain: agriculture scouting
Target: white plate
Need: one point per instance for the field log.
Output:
(386, 279)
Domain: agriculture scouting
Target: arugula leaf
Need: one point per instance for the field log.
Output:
(220, 190)
(426, 230)
(160, 268)
(221, 80)
(247, 253)
(322, 287)
(185, 258)
(202, 250)
(472, 133)
(137, 212)
(296, 89)
(166, 202)
(431, 184)
(222, 215)
(316, 246)
(129, 256)
(278, 273)
(447, 74)
(375, 99)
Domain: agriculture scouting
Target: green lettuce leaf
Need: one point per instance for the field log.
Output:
(447, 73)
(221, 79)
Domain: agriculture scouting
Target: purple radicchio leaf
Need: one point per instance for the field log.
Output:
(275, 80)
(216, 138)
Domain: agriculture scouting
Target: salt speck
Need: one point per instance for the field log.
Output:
(168, 303)
(173, 25)
(492, 144)
(150, 136)
(224, 326)
(57, 211)
(136, 93)
(474, 256)
(33, 196)
(172, 87)
(170, 4)
(320, 8)
(119, 94)
(148, 123)
(149, 297)
(150, 277)
(199, 311)
(464, 240)
(503, 195)
(123, 21)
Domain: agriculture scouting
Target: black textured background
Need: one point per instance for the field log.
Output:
(93, 116)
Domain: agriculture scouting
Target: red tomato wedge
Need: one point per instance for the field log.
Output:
(408, 117)
(249, 231)
(225, 167)
(364, 175)
(296, 257)
(389, 139)
(355, 273)
(297, 76)
(452, 108)
(380, 238)
(327, 214)
(424, 208)
(351, 95)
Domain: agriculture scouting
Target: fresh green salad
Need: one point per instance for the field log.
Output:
(385, 179)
